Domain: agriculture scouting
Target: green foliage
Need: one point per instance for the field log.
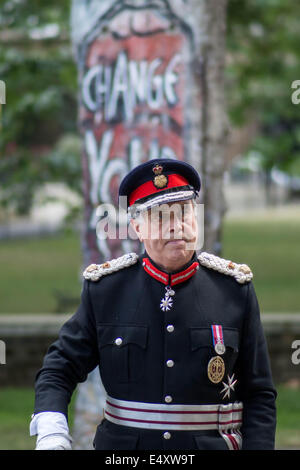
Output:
(23, 172)
(263, 61)
(27, 15)
(39, 136)
(38, 67)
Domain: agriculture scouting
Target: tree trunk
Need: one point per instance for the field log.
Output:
(215, 124)
(150, 86)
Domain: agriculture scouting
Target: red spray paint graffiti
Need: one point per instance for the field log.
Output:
(133, 107)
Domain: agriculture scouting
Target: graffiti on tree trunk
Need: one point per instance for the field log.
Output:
(134, 82)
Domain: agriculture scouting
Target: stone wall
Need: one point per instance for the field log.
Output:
(281, 331)
(27, 338)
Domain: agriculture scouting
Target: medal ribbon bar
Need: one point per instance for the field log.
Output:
(218, 338)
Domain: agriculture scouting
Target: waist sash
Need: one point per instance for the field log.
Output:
(219, 416)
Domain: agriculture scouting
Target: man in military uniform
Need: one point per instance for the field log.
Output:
(176, 334)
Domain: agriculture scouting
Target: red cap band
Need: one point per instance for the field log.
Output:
(148, 188)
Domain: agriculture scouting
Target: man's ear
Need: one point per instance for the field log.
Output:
(136, 227)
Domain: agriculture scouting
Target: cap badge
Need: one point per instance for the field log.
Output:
(160, 181)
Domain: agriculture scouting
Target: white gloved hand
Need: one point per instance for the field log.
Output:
(53, 442)
(52, 430)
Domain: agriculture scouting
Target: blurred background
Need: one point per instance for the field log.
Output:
(42, 196)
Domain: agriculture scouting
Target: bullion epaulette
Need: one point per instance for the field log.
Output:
(241, 272)
(94, 271)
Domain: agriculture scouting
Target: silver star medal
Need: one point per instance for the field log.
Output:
(228, 387)
(167, 302)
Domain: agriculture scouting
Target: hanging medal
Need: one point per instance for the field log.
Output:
(216, 365)
(218, 339)
(166, 302)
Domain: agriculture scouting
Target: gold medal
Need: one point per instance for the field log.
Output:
(216, 369)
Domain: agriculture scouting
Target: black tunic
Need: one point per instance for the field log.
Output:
(126, 304)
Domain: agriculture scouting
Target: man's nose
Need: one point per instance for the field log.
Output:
(175, 223)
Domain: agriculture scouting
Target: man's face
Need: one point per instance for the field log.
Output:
(169, 233)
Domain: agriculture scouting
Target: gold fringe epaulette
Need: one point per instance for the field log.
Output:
(241, 272)
(94, 271)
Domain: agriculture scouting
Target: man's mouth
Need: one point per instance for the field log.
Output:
(176, 241)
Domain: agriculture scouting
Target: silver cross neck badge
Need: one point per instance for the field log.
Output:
(167, 301)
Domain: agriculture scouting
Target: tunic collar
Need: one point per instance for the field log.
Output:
(170, 279)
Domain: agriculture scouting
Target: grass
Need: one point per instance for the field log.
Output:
(35, 269)
(16, 406)
(288, 417)
(270, 246)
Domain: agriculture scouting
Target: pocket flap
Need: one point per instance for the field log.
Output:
(202, 338)
(210, 442)
(106, 439)
(231, 338)
(122, 335)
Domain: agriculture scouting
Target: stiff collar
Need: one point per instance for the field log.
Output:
(170, 279)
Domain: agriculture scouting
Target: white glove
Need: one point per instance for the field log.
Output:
(53, 442)
(52, 430)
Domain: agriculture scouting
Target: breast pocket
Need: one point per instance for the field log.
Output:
(122, 352)
(202, 350)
